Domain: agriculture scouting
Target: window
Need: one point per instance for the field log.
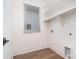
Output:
(31, 19)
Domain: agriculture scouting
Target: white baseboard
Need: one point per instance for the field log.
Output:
(39, 49)
(57, 52)
(27, 51)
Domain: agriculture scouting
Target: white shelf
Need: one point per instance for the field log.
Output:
(61, 13)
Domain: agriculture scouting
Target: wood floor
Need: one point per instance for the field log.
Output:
(40, 54)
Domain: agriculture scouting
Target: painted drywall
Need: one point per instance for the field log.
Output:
(26, 42)
(7, 28)
(60, 37)
(56, 38)
(70, 27)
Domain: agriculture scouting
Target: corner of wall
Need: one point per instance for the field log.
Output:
(57, 52)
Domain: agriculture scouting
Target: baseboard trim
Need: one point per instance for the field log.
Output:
(53, 49)
(22, 52)
(58, 52)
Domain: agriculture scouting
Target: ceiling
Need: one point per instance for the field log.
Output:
(54, 3)
(50, 3)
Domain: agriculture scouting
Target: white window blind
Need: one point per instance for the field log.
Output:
(31, 21)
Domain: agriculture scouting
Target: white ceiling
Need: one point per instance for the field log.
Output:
(53, 3)
(50, 3)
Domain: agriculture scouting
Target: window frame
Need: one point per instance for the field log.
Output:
(25, 30)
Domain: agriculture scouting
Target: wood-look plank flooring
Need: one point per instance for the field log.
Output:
(40, 54)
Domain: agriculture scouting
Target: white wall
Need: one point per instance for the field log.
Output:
(56, 38)
(70, 27)
(23, 43)
(7, 29)
(60, 38)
